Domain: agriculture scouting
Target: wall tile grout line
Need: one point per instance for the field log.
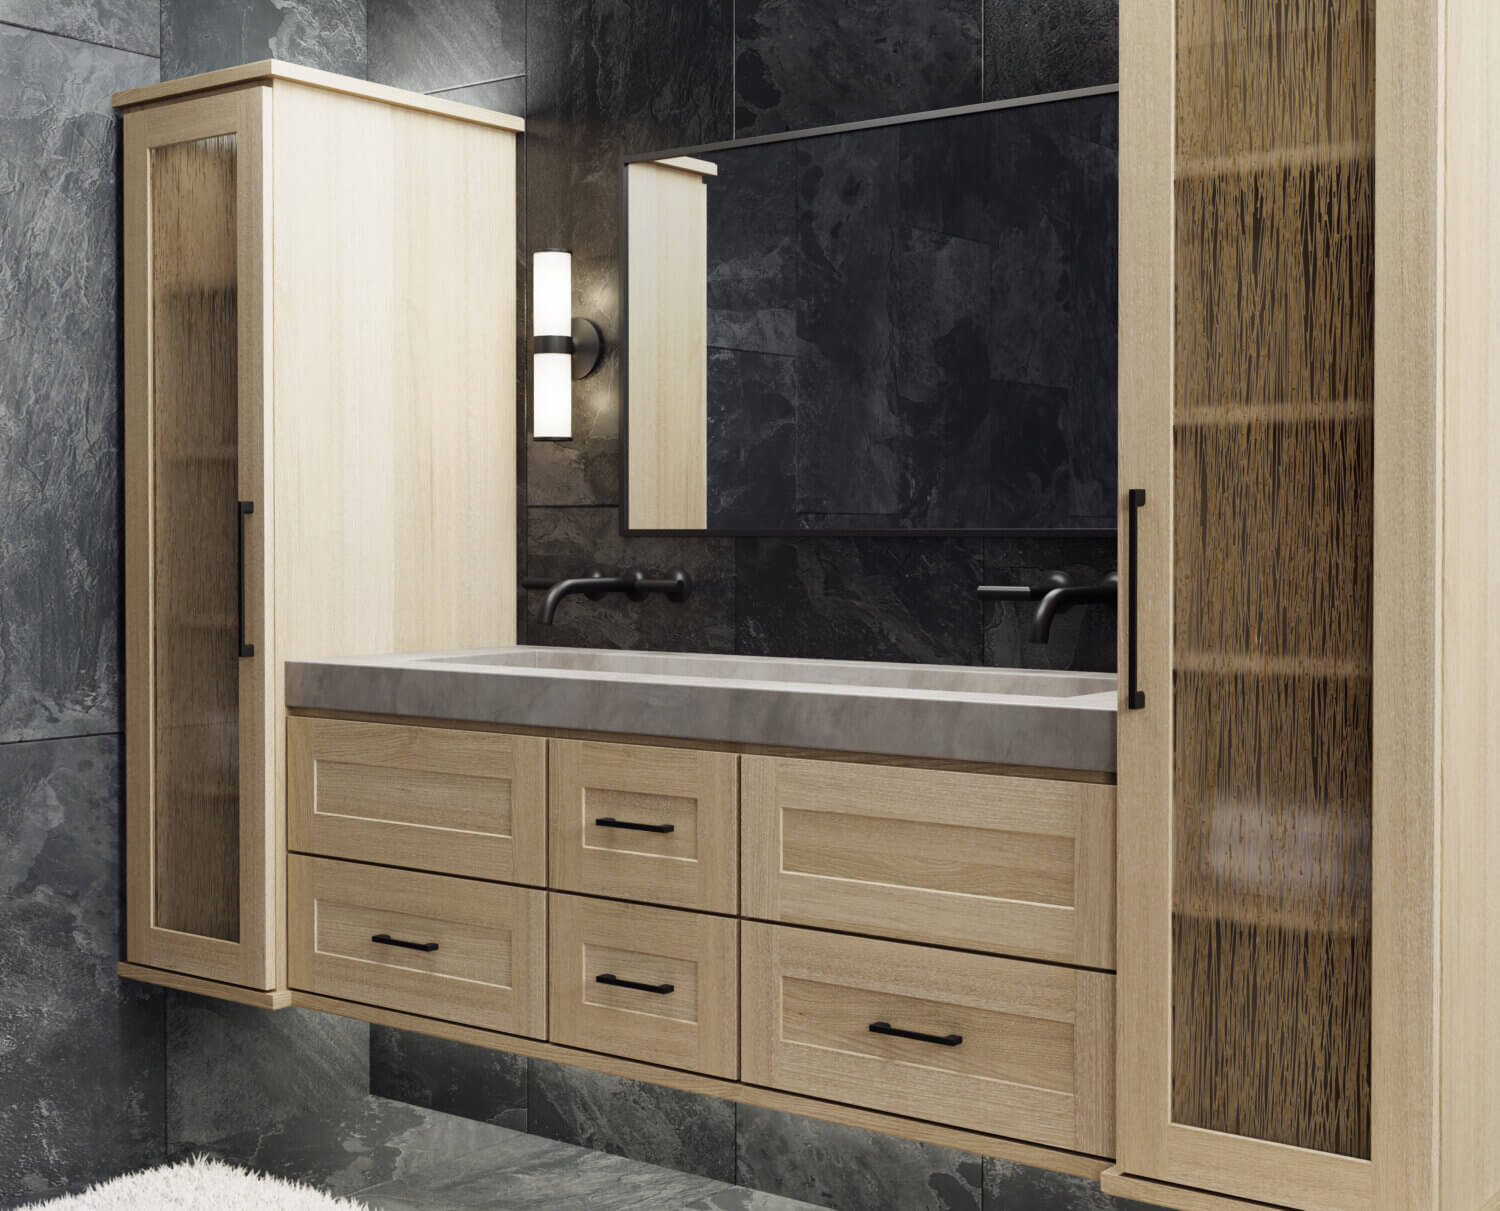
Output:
(49, 33)
(118, 732)
(448, 88)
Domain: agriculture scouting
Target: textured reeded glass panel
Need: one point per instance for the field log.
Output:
(1273, 538)
(194, 531)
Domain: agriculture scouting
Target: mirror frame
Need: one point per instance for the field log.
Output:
(706, 149)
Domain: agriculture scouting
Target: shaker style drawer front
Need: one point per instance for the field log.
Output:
(454, 949)
(1024, 1050)
(652, 824)
(653, 984)
(465, 803)
(1018, 866)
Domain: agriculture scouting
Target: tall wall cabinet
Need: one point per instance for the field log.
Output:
(320, 453)
(1309, 829)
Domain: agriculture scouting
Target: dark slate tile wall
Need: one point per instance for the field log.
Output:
(84, 1055)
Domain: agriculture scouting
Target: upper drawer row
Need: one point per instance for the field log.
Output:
(1019, 866)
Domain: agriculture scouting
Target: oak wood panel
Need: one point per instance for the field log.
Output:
(272, 70)
(809, 998)
(667, 308)
(1014, 866)
(1469, 1109)
(695, 1026)
(490, 965)
(920, 1130)
(1120, 1184)
(454, 802)
(278, 998)
(695, 792)
(249, 959)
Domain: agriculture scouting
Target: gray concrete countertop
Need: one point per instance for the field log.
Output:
(1053, 720)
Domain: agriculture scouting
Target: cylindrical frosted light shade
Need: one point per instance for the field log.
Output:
(552, 293)
(552, 396)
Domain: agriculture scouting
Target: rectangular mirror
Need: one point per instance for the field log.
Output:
(905, 326)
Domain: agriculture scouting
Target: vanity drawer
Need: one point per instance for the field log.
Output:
(1021, 866)
(641, 823)
(1024, 1050)
(671, 995)
(476, 953)
(465, 803)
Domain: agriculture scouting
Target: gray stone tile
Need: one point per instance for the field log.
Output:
(431, 44)
(502, 96)
(573, 542)
(799, 65)
(80, 1049)
(738, 1198)
(233, 1070)
(684, 1131)
(125, 24)
(852, 1170)
(527, 1173)
(1042, 46)
(1012, 1187)
(60, 383)
(455, 1078)
(1083, 639)
(204, 35)
(901, 599)
(367, 1143)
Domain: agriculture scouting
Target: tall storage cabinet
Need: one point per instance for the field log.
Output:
(1309, 949)
(320, 454)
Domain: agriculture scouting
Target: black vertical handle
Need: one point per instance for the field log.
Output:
(1136, 699)
(246, 508)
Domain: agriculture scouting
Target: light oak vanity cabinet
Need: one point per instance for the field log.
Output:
(1309, 732)
(320, 282)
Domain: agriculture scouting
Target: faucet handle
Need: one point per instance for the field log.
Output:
(1025, 592)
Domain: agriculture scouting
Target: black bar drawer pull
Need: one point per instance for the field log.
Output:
(611, 822)
(247, 507)
(613, 981)
(942, 1040)
(385, 939)
(1136, 697)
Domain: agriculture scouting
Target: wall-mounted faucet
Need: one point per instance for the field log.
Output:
(678, 586)
(1055, 595)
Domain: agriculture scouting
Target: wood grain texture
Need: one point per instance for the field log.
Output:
(1469, 1110)
(695, 1026)
(696, 793)
(458, 803)
(489, 967)
(216, 878)
(667, 234)
(1011, 866)
(271, 71)
(1179, 1198)
(278, 998)
(936, 1134)
(809, 999)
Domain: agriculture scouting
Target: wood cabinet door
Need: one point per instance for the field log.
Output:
(1246, 986)
(201, 836)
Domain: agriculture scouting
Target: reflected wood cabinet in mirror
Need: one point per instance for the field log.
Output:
(320, 453)
(1309, 948)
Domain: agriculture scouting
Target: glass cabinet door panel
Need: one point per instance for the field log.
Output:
(195, 521)
(1273, 543)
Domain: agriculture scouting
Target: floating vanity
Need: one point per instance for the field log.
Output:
(845, 889)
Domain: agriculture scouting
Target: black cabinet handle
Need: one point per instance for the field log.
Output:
(942, 1040)
(611, 822)
(1136, 697)
(385, 939)
(660, 990)
(246, 508)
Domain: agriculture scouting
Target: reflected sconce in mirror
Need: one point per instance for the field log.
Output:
(562, 348)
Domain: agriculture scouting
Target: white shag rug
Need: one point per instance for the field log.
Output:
(200, 1184)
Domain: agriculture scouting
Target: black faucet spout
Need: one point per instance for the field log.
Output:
(677, 586)
(1060, 600)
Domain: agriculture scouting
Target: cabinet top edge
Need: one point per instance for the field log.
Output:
(273, 71)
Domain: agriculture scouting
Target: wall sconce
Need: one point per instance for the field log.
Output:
(562, 348)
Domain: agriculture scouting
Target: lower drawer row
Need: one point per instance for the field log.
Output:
(996, 1045)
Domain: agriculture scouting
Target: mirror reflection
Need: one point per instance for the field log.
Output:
(906, 326)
